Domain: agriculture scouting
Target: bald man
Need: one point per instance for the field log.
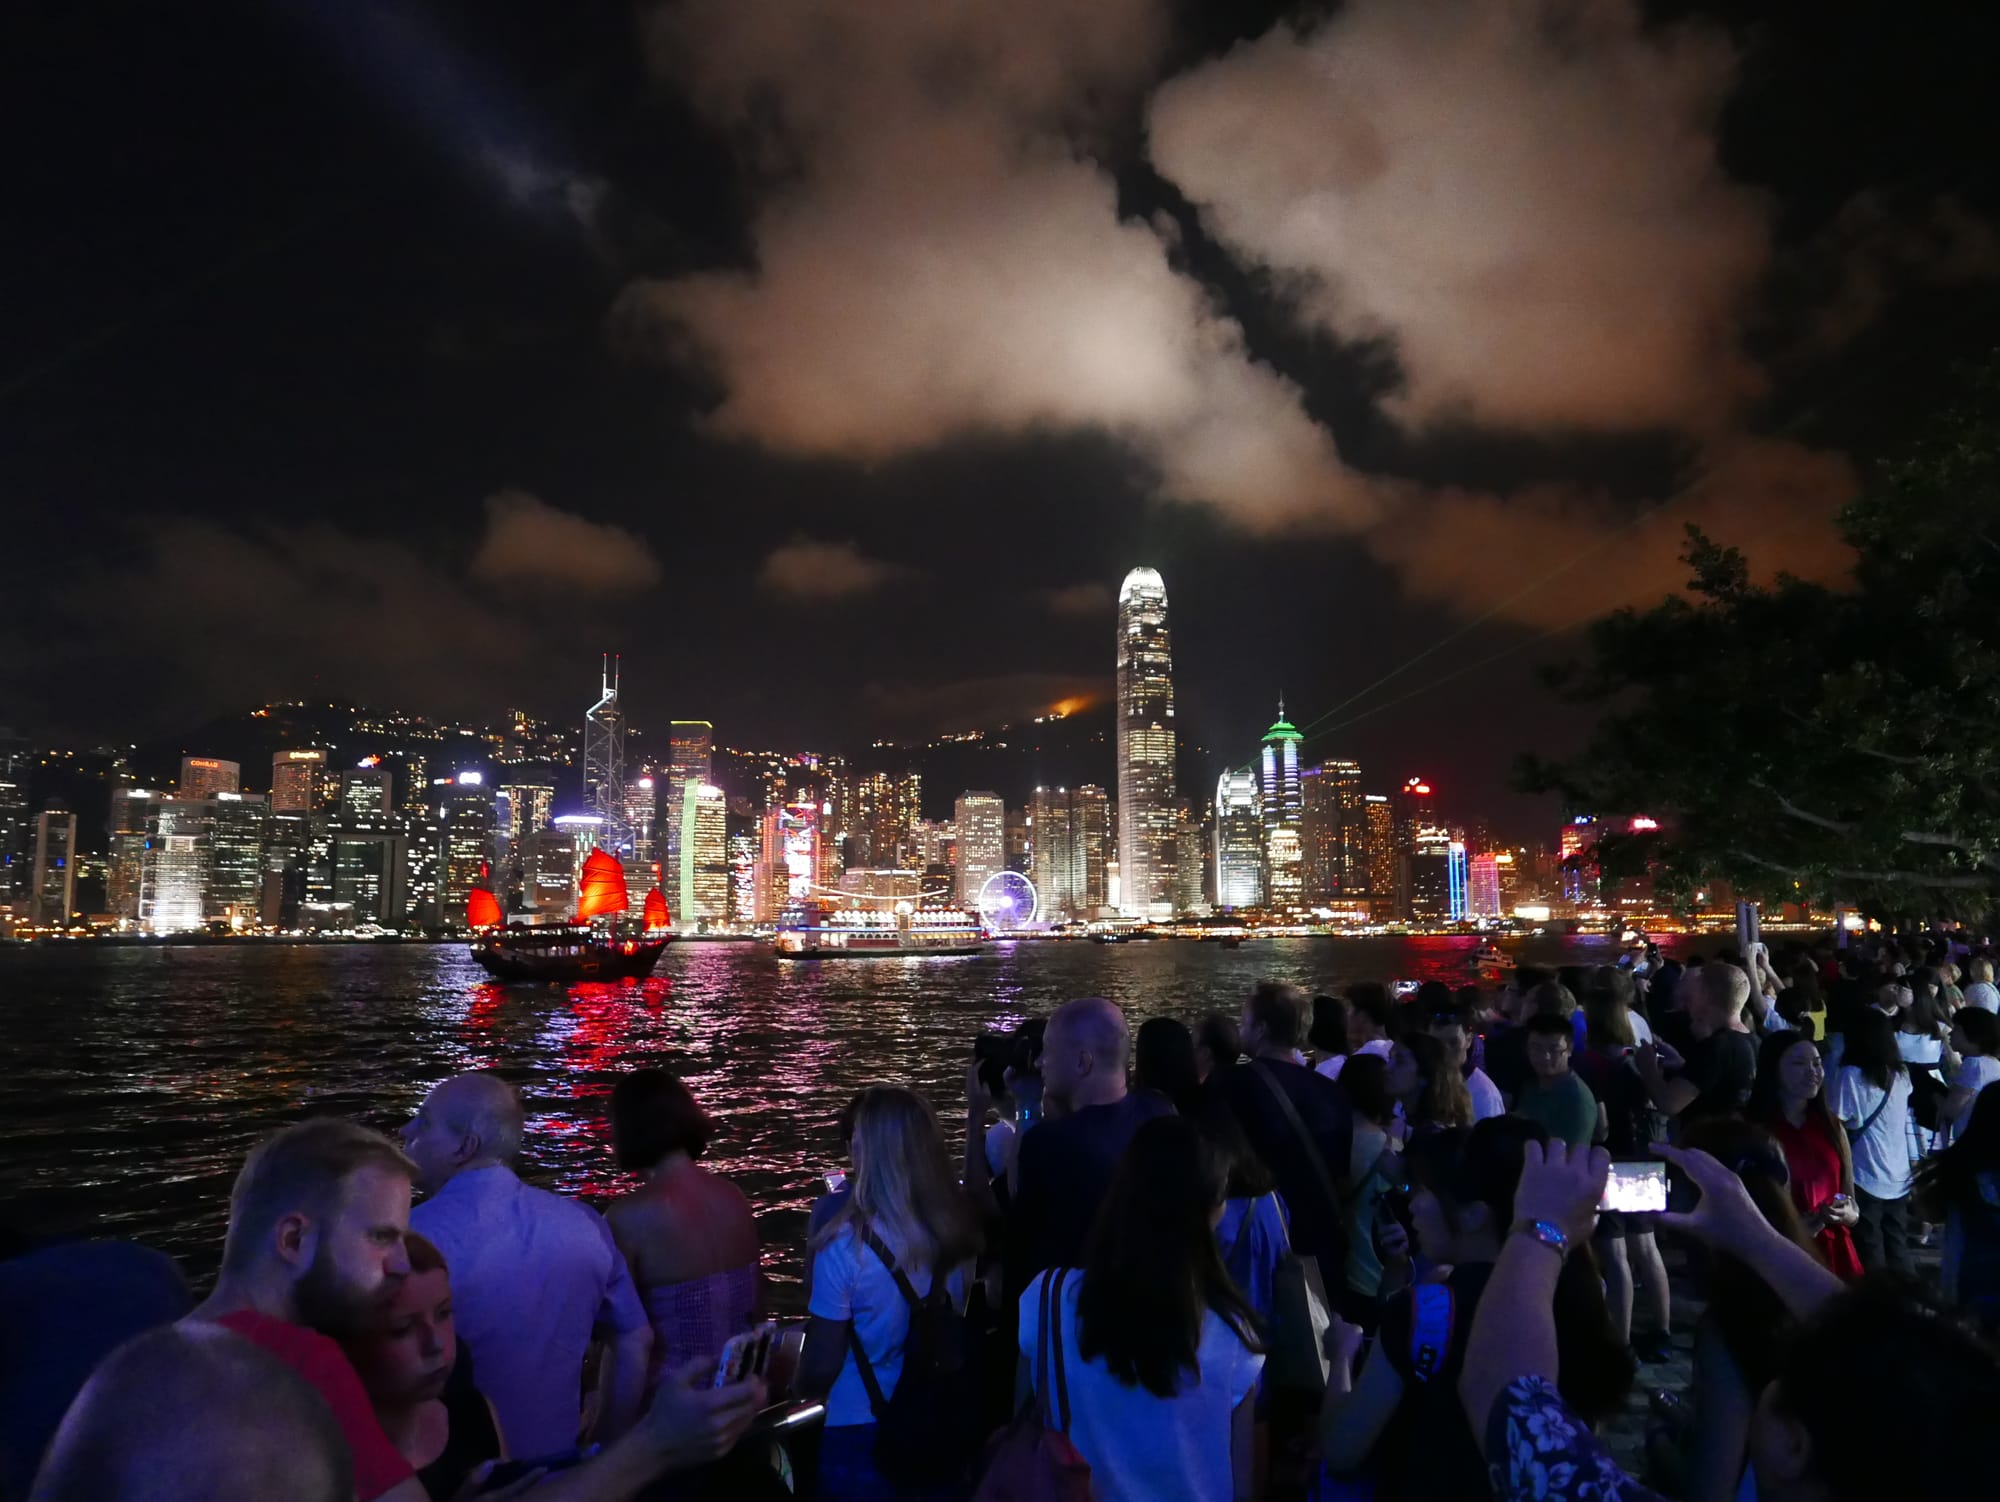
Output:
(533, 1275)
(190, 1413)
(1064, 1164)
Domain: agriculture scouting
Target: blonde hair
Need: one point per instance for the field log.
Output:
(1981, 969)
(302, 1168)
(903, 1186)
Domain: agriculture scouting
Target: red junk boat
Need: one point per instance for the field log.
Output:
(577, 950)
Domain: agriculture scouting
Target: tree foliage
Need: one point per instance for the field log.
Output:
(1816, 743)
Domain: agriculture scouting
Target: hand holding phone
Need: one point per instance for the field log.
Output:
(745, 1356)
(1638, 1188)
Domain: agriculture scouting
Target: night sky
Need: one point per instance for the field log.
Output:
(835, 360)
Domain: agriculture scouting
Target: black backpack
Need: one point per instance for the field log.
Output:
(928, 1430)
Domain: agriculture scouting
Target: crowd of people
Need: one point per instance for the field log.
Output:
(1332, 1247)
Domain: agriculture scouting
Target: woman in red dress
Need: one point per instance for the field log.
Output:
(1789, 1100)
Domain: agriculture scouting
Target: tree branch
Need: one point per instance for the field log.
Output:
(1792, 810)
(1966, 883)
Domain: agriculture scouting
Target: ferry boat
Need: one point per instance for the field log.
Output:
(589, 947)
(813, 931)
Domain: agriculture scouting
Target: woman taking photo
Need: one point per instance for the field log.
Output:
(1789, 1102)
(1871, 1098)
(905, 1215)
(1400, 1421)
(1161, 1353)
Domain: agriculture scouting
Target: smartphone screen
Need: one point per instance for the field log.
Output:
(735, 1355)
(836, 1181)
(1635, 1187)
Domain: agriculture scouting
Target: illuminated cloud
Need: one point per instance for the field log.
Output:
(814, 571)
(1523, 197)
(938, 257)
(529, 541)
(973, 703)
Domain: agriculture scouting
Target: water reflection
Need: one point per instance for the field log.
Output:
(139, 1077)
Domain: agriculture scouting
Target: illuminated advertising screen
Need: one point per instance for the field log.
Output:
(800, 829)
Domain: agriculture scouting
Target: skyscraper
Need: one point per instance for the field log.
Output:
(55, 866)
(1239, 841)
(706, 833)
(17, 835)
(1146, 803)
(1483, 885)
(1332, 831)
(982, 842)
(604, 760)
(1090, 828)
(205, 776)
(690, 760)
(1284, 814)
(529, 805)
(1053, 865)
(1378, 849)
(298, 781)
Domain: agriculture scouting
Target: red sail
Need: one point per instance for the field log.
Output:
(482, 909)
(602, 888)
(656, 910)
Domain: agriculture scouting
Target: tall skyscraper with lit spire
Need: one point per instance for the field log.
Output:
(604, 760)
(1147, 816)
(1284, 814)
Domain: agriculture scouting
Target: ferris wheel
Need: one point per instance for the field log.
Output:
(1007, 900)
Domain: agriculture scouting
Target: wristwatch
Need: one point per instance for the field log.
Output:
(1547, 1232)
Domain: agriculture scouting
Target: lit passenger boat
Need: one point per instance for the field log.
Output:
(809, 931)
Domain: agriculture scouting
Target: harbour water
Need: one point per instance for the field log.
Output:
(138, 1077)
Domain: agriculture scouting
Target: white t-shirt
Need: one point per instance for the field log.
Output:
(1486, 1099)
(1920, 1048)
(1882, 1152)
(999, 1144)
(1642, 1030)
(1143, 1448)
(1975, 1072)
(1983, 994)
(1380, 1047)
(849, 1282)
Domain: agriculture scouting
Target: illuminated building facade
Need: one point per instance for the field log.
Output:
(887, 808)
(55, 866)
(1378, 850)
(788, 860)
(1192, 859)
(1428, 876)
(1239, 841)
(364, 794)
(548, 871)
(690, 759)
(981, 819)
(529, 807)
(205, 776)
(370, 868)
(1482, 897)
(1457, 899)
(1332, 832)
(1147, 814)
(16, 838)
(743, 879)
(298, 781)
(1054, 861)
(1576, 848)
(702, 877)
(465, 844)
(131, 818)
(640, 816)
(239, 826)
(604, 761)
(175, 868)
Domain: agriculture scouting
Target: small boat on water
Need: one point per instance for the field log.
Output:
(1488, 957)
(590, 947)
(819, 930)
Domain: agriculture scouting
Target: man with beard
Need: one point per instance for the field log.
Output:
(316, 1248)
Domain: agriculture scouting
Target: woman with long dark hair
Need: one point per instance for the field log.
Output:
(1163, 1061)
(1975, 1038)
(1789, 1101)
(905, 1214)
(1399, 1419)
(1744, 1326)
(1374, 1168)
(1871, 1096)
(1961, 1187)
(1923, 1038)
(1162, 1352)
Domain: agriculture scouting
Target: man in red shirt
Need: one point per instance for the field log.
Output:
(315, 1248)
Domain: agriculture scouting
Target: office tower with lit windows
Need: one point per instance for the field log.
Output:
(1482, 894)
(787, 862)
(239, 827)
(1427, 876)
(1239, 841)
(175, 869)
(205, 776)
(364, 794)
(370, 869)
(1053, 862)
(1191, 861)
(981, 819)
(465, 844)
(548, 871)
(1576, 848)
(131, 818)
(641, 813)
(1147, 812)
(1283, 814)
(690, 759)
(411, 776)
(604, 761)
(55, 866)
(298, 781)
(1458, 898)
(1378, 850)
(17, 838)
(1090, 828)
(707, 831)
(742, 878)
(1332, 831)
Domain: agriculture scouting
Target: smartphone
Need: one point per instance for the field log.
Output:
(835, 1181)
(1635, 1187)
(507, 1472)
(745, 1356)
(1405, 988)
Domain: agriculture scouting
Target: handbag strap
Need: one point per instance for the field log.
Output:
(1887, 1096)
(1052, 1308)
(1291, 1115)
(877, 1403)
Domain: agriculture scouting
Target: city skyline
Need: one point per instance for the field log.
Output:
(521, 354)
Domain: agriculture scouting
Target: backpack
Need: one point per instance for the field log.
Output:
(928, 1429)
(1032, 1459)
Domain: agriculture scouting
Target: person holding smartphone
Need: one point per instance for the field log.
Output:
(1789, 1101)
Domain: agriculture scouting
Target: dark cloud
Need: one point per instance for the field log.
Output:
(1079, 599)
(529, 541)
(971, 703)
(815, 571)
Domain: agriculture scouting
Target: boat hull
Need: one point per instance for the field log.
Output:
(631, 959)
(873, 951)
